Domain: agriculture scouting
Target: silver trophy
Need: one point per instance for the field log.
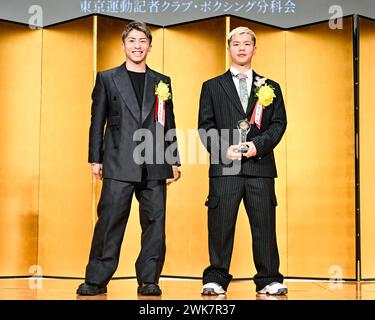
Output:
(244, 128)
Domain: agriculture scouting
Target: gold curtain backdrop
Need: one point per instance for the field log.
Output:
(48, 196)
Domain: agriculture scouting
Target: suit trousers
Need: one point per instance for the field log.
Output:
(113, 213)
(225, 195)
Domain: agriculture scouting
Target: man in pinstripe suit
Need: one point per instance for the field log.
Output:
(241, 94)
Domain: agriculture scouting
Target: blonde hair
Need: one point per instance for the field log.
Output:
(241, 30)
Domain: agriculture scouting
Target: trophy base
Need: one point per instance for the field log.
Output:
(242, 149)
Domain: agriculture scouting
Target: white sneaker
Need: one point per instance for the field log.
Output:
(212, 289)
(274, 288)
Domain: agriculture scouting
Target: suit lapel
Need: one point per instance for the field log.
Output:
(148, 94)
(252, 98)
(125, 87)
(230, 89)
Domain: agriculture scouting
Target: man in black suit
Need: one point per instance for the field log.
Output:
(242, 170)
(132, 155)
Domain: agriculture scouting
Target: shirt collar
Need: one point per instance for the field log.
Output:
(235, 72)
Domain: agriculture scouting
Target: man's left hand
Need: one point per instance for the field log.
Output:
(252, 150)
(176, 175)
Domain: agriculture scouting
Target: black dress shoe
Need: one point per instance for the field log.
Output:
(86, 289)
(149, 289)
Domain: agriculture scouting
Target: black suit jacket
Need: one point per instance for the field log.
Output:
(220, 108)
(116, 116)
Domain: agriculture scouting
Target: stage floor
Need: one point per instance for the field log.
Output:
(176, 289)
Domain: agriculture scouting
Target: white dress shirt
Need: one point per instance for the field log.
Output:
(249, 79)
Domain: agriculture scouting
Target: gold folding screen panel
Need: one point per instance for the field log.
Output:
(192, 54)
(315, 159)
(320, 152)
(110, 54)
(270, 47)
(20, 65)
(367, 144)
(65, 220)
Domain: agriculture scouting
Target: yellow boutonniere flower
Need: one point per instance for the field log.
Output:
(162, 91)
(265, 94)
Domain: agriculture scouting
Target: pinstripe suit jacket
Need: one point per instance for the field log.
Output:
(220, 108)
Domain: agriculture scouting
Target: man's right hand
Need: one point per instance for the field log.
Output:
(232, 154)
(96, 169)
